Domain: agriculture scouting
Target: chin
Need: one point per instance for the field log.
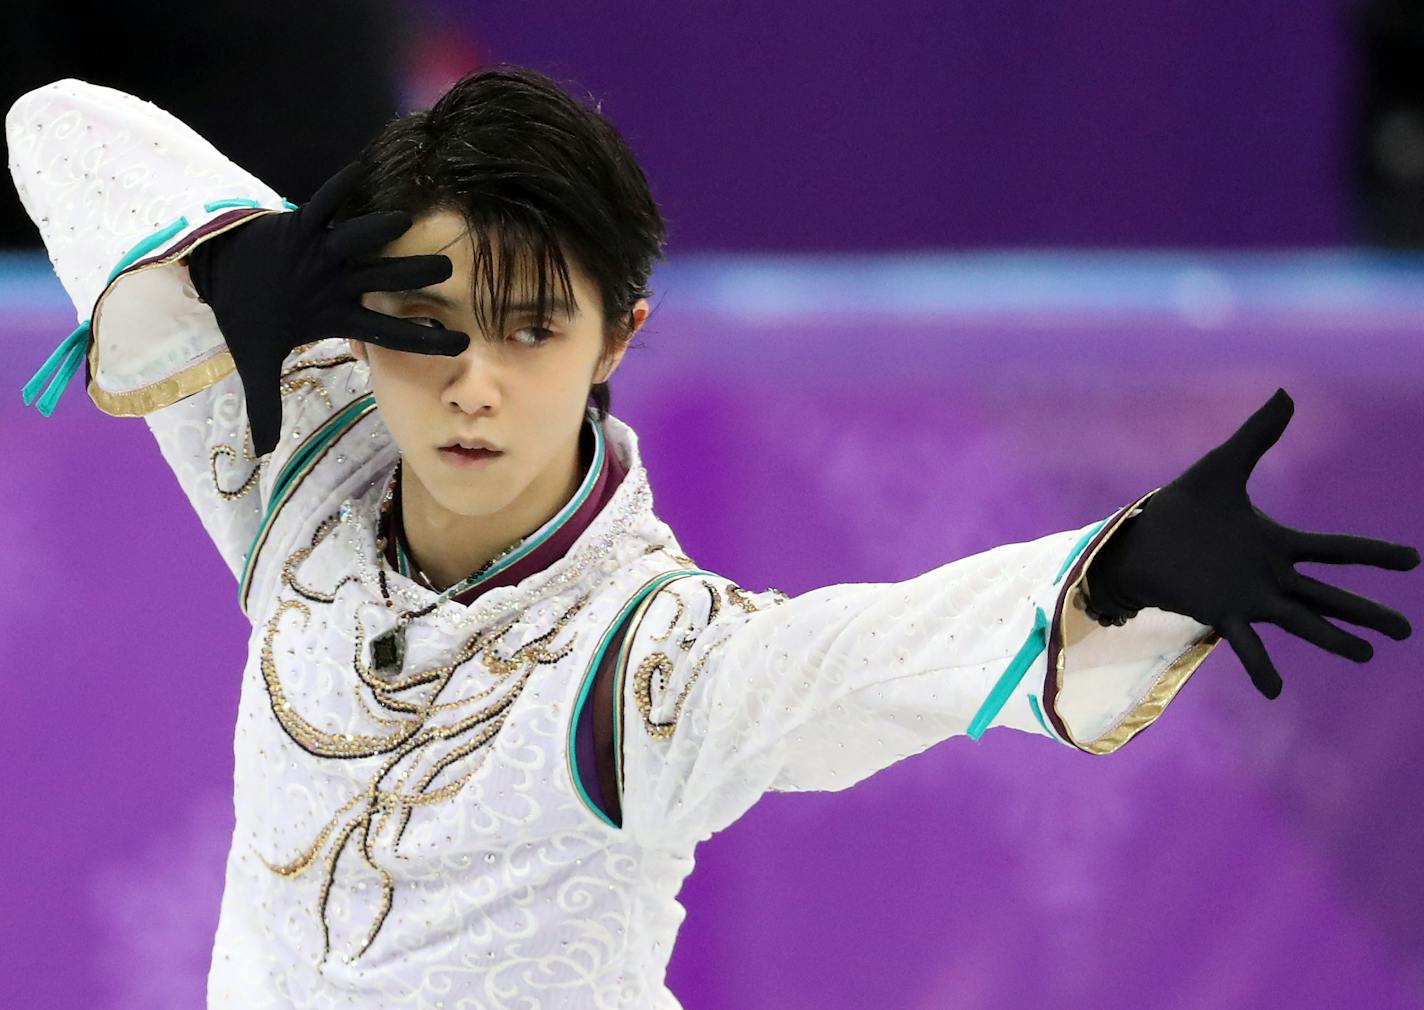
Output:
(470, 496)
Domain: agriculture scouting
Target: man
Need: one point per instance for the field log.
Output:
(434, 802)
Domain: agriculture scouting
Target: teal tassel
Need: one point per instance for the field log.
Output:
(58, 369)
(56, 389)
(61, 365)
(1009, 679)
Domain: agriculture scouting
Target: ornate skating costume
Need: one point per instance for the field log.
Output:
(420, 834)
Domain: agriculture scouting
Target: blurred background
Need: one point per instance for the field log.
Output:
(940, 277)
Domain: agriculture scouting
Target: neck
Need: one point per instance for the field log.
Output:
(449, 547)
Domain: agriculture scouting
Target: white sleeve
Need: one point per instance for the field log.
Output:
(121, 192)
(725, 693)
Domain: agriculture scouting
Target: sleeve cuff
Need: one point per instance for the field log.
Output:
(1104, 685)
(152, 340)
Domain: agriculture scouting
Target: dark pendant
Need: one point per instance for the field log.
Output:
(388, 652)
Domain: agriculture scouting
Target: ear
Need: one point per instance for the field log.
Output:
(608, 364)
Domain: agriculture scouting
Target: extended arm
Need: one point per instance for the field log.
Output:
(727, 693)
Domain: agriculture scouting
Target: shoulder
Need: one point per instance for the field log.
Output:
(672, 636)
(332, 445)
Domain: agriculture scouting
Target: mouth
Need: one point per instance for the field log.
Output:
(458, 455)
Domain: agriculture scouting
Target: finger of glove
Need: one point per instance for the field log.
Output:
(1347, 549)
(1248, 648)
(1243, 450)
(403, 273)
(329, 196)
(264, 413)
(401, 335)
(1304, 623)
(367, 233)
(1332, 601)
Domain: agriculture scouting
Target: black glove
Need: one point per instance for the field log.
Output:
(1200, 548)
(283, 280)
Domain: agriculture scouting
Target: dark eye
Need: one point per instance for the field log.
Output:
(423, 320)
(542, 335)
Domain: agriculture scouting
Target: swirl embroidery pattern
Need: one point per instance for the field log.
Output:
(410, 733)
(287, 388)
(655, 672)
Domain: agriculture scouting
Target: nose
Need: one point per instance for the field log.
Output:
(474, 382)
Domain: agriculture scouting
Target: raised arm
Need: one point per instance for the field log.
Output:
(120, 191)
(126, 196)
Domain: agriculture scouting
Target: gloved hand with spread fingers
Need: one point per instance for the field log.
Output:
(282, 280)
(1199, 547)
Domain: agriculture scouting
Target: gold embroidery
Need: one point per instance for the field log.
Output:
(735, 593)
(305, 382)
(408, 737)
(657, 664)
(681, 559)
(340, 359)
(247, 456)
(716, 601)
(295, 559)
(714, 609)
(675, 618)
(231, 453)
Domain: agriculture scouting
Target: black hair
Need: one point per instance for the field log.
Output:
(538, 177)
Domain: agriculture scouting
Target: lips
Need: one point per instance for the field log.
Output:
(472, 443)
(462, 457)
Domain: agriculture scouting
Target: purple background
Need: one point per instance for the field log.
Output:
(856, 417)
(1239, 853)
(924, 123)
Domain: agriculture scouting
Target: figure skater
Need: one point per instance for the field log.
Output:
(490, 706)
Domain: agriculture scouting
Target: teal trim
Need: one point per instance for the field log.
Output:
(236, 201)
(332, 427)
(1009, 679)
(591, 673)
(585, 489)
(60, 366)
(147, 245)
(1078, 549)
(1047, 726)
(289, 204)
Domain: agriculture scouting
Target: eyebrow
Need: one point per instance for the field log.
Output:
(557, 304)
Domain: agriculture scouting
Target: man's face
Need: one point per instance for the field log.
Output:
(524, 390)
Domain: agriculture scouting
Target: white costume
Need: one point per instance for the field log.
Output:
(423, 841)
